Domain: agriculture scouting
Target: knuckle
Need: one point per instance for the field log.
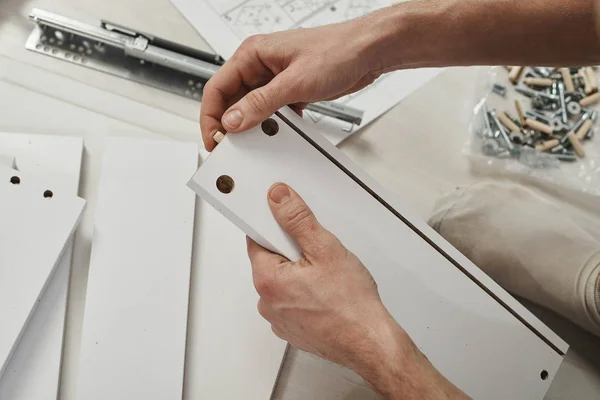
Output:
(327, 248)
(262, 309)
(299, 219)
(253, 42)
(258, 100)
(266, 288)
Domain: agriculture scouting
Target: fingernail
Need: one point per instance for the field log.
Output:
(233, 119)
(279, 194)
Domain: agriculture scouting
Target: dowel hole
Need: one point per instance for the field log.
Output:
(270, 127)
(48, 194)
(225, 184)
(15, 180)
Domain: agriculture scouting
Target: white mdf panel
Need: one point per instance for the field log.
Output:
(34, 235)
(232, 352)
(135, 321)
(33, 372)
(474, 332)
(6, 160)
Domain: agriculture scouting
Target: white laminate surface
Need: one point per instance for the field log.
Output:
(414, 150)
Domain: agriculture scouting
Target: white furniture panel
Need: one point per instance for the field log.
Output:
(33, 372)
(134, 329)
(471, 329)
(6, 160)
(232, 353)
(36, 226)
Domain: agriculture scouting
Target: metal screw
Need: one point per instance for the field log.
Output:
(538, 116)
(533, 93)
(509, 144)
(563, 106)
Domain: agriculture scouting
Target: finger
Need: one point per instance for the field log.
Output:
(226, 83)
(296, 218)
(261, 103)
(266, 268)
(280, 333)
(243, 71)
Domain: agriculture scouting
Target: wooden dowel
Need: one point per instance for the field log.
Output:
(515, 74)
(508, 122)
(543, 82)
(547, 145)
(586, 101)
(538, 126)
(585, 128)
(520, 112)
(218, 137)
(576, 144)
(567, 79)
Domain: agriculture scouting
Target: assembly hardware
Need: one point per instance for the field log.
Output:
(563, 105)
(499, 90)
(140, 57)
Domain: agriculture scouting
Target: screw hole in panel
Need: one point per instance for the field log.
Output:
(270, 127)
(15, 180)
(225, 184)
(48, 194)
(544, 375)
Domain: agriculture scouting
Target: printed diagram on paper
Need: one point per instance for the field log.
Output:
(226, 23)
(263, 16)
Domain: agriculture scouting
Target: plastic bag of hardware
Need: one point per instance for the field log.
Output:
(540, 122)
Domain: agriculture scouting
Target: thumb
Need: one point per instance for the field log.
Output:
(298, 221)
(260, 104)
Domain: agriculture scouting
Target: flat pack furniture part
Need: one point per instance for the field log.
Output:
(37, 224)
(474, 332)
(33, 371)
(232, 352)
(7, 161)
(135, 322)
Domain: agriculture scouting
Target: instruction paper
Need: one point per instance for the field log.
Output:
(226, 23)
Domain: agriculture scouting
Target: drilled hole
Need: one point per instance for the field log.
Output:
(270, 127)
(15, 180)
(225, 184)
(48, 194)
(544, 375)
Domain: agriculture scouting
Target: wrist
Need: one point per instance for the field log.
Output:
(395, 368)
(415, 34)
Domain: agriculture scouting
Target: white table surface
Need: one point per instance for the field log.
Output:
(414, 150)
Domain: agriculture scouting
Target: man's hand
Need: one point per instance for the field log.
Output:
(328, 304)
(268, 72)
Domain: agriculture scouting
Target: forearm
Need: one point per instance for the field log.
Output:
(424, 33)
(396, 369)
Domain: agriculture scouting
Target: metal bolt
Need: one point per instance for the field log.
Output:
(567, 157)
(505, 138)
(533, 93)
(486, 118)
(563, 105)
(538, 116)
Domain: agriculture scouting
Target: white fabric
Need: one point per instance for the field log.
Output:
(528, 245)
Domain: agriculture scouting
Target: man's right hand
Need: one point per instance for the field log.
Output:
(268, 72)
